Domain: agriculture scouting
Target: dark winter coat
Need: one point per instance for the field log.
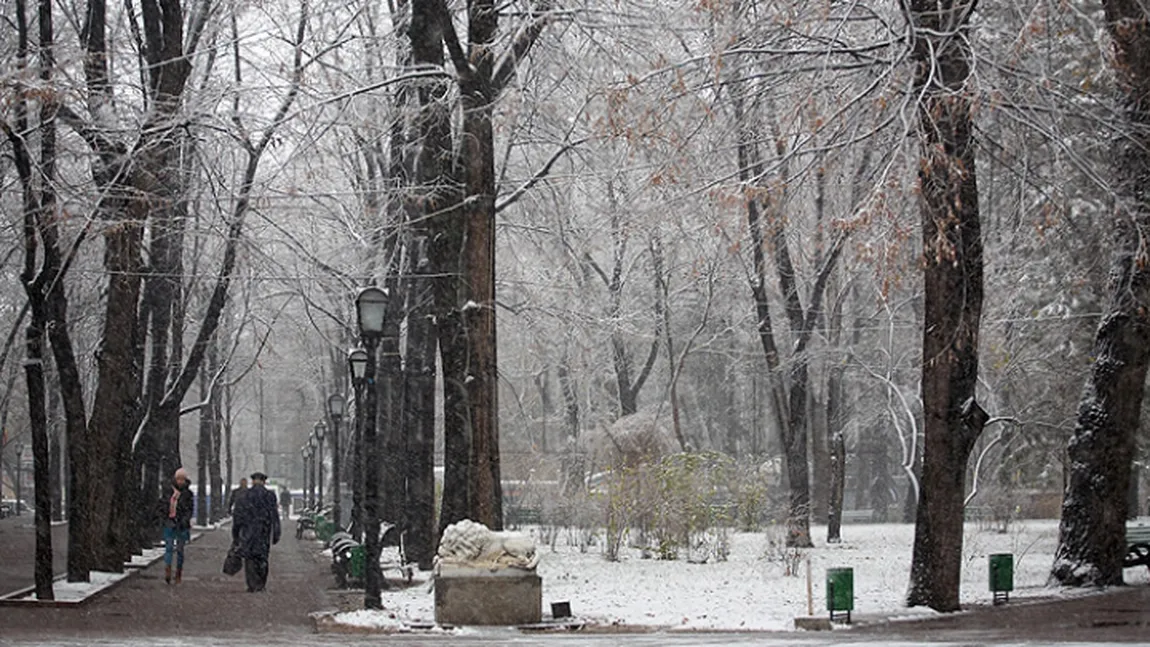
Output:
(256, 522)
(235, 497)
(184, 507)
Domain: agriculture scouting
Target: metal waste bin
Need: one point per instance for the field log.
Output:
(324, 529)
(1001, 576)
(840, 592)
(355, 564)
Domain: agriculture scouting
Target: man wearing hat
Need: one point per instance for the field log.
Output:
(255, 527)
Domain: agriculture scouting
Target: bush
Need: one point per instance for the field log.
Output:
(683, 506)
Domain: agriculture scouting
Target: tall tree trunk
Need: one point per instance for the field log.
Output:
(836, 438)
(478, 298)
(56, 445)
(1091, 541)
(573, 468)
(226, 423)
(952, 246)
(456, 503)
(203, 447)
(419, 367)
(38, 424)
(794, 446)
(215, 407)
(45, 290)
(389, 424)
(419, 423)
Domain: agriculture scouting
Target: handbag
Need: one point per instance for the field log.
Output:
(233, 562)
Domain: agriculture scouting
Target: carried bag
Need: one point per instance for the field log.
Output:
(233, 562)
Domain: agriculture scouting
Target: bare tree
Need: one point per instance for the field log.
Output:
(1091, 542)
(952, 248)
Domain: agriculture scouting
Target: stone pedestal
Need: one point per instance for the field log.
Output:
(467, 596)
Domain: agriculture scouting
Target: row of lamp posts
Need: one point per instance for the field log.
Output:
(371, 311)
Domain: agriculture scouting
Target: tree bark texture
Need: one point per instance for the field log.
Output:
(390, 418)
(472, 469)
(1091, 541)
(952, 249)
(38, 425)
(203, 448)
(836, 443)
(793, 440)
(439, 244)
(478, 154)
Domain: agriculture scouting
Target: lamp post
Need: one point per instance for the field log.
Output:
(320, 432)
(303, 455)
(335, 406)
(357, 366)
(19, 473)
(311, 459)
(371, 309)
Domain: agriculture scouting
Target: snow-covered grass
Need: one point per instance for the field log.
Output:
(66, 592)
(372, 620)
(77, 591)
(750, 591)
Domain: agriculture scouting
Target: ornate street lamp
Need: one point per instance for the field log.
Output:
(311, 459)
(304, 455)
(320, 430)
(357, 366)
(335, 407)
(371, 310)
(19, 473)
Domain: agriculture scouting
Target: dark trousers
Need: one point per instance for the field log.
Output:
(256, 572)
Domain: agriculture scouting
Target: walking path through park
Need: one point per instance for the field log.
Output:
(1121, 614)
(206, 603)
(18, 547)
(210, 605)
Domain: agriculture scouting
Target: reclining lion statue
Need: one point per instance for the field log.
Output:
(474, 545)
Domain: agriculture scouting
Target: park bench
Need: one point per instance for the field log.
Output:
(857, 516)
(1137, 546)
(523, 515)
(315, 520)
(348, 557)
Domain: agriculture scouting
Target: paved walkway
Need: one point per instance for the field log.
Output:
(18, 547)
(209, 605)
(1119, 615)
(206, 603)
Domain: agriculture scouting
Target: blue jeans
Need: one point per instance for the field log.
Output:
(178, 538)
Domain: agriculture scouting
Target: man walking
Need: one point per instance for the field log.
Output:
(285, 502)
(255, 527)
(236, 496)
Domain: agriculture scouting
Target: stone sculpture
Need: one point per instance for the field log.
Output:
(469, 544)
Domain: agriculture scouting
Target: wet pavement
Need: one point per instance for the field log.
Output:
(206, 603)
(18, 545)
(209, 608)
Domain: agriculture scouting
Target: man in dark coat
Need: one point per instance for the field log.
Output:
(255, 527)
(285, 502)
(236, 495)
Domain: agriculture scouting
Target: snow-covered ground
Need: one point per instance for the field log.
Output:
(75, 592)
(749, 590)
(145, 559)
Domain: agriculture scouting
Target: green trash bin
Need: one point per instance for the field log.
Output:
(324, 529)
(840, 592)
(1001, 576)
(355, 565)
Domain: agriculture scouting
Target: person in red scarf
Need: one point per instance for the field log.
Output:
(177, 524)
